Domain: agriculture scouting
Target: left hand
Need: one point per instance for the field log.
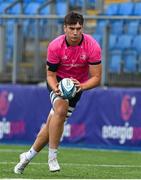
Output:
(77, 84)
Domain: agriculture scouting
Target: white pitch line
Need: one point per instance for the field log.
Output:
(72, 148)
(16, 151)
(67, 148)
(83, 165)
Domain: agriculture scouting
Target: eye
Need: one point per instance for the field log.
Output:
(78, 29)
(71, 28)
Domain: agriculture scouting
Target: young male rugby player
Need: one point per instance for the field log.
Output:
(73, 55)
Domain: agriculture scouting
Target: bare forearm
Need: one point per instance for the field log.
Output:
(95, 77)
(91, 83)
(52, 81)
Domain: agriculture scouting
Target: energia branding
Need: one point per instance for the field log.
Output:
(9, 129)
(122, 133)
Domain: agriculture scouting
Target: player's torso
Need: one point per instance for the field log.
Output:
(74, 61)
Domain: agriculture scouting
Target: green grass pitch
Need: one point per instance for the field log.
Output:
(75, 164)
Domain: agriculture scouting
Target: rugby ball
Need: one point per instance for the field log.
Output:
(67, 88)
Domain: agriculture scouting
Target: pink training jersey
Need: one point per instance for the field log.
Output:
(74, 61)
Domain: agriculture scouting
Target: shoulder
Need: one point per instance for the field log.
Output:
(90, 41)
(93, 48)
(57, 43)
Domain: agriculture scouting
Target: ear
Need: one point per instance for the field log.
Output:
(64, 28)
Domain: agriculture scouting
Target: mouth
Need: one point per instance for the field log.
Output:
(74, 38)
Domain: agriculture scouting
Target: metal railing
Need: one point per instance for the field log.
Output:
(33, 68)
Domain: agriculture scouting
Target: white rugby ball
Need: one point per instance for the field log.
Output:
(67, 88)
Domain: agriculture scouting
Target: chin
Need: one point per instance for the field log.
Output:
(75, 40)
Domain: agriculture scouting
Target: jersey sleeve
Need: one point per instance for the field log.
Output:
(52, 58)
(95, 54)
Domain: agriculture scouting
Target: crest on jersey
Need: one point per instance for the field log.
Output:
(64, 57)
(83, 56)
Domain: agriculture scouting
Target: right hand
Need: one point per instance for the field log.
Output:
(56, 90)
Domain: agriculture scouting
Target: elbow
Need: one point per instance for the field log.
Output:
(98, 81)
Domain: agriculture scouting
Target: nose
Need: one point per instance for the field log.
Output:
(75, 31)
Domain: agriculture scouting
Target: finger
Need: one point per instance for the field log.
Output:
(78, 90)
(74, 80)
(58, 93)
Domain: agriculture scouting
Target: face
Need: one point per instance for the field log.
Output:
(73, 33)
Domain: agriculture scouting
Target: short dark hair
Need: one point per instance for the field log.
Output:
(73, 18)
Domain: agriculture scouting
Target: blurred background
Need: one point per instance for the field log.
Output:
(27, 26)
(108, 116)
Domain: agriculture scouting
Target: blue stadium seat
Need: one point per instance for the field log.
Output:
(9, 0)
(126, 8)
(112, 41)
(130, 61)
(133, 27)
(29, 24)
(40, 1)
(115, 61)
(10, 26)
(27, 1)
(112, 9)
(72, 2)
(16, 9)
(9, 39)
(137, 9)
(44, 23)
(117, 27)
(124, 42)
(61, 8)
(98, 38)
(6, 1)
(136, 44)
(45, 10)
(76, 3)
(100, 26)
(91, 4)
(3, 6)
(9, 53)
(31, 8)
